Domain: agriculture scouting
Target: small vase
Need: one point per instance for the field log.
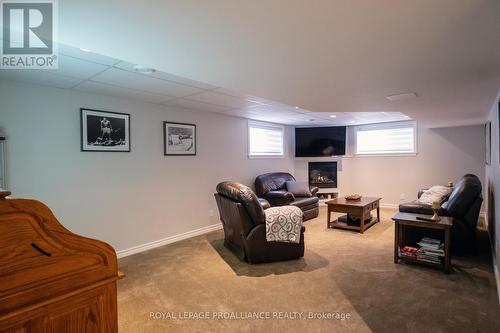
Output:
(435, 209)
(435, 217)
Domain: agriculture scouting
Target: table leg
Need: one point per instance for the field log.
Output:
(396, 242)
(447, 252)
(328, 218)
(362, 223)
(378, 213)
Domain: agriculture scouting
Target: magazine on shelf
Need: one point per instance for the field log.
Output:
(429, 250)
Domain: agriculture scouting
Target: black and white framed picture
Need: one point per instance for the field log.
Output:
(179, 139)
(105, 131)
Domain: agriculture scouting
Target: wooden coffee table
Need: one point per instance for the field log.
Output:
(355, 208)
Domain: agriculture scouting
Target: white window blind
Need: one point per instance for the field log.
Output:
(385, 139)
(265, 140)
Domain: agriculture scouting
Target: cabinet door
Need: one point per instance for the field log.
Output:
(24, 328)
(93, 311)
(84, 317)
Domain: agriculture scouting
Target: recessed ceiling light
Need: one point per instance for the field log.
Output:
(333, 116)
(144, 70)
(352, 121)
(84, 50)
(296, 108)
(400, 97)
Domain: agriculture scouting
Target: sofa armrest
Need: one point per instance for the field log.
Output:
(313, 190)
(279, 198)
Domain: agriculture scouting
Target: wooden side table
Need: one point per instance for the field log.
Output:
(357, 208)
(402, 220)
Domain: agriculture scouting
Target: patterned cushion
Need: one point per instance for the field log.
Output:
(283, 224)
(436, 193)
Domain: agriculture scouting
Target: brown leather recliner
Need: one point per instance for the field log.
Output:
(463, 205)
(272, 187)
(244, 223)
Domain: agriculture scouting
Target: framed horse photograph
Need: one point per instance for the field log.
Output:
(105, 131)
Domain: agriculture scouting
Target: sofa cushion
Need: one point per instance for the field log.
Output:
(304, 201)
(437, 193)
(298, 189)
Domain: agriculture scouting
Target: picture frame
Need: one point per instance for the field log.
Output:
(487, 128)
(104, 131)
(179, 139)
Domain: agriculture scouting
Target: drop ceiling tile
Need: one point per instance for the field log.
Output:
(194, 105)
(146, 83)
(77, 68)
(237, 112)
(76, 52)
(41, 77)
(169, 77)
(216, 98)
(109, 90)
(356, 118)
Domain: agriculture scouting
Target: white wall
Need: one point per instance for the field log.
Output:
(444, 154)
(129, 199)
(493, 178)
(125, 199)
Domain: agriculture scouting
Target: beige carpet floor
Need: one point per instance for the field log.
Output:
(345, 275)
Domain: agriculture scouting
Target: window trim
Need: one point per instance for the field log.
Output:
(381, 126)
(264, 125)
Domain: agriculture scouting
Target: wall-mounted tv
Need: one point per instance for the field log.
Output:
(320, 141)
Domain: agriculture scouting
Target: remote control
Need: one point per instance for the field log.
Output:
(425, 219)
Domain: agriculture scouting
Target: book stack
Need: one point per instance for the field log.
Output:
(408, 252)
(431, 250)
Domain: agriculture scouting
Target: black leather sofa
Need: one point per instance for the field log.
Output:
(272, 187)
(463, 204)
(244, 223)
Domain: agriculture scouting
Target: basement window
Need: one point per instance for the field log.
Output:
(265, 140)
(386, 139)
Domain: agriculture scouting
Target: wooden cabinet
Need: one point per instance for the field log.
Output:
(52, 280)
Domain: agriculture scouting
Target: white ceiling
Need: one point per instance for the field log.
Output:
(97, 74)
(326, 56)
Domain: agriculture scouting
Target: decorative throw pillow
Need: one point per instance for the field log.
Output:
(436, 193)
(298, 189)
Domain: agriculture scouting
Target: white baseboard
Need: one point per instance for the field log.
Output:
(168, 240)
(495, 267)
(389, 205)
(497, 276)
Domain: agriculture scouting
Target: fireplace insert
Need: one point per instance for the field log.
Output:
(323, 174)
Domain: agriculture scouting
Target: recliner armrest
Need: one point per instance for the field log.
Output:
(417, 208)
(313, 190)
(264, 203)
(279, 198)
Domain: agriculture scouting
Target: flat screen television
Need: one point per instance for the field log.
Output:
(320, 141)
